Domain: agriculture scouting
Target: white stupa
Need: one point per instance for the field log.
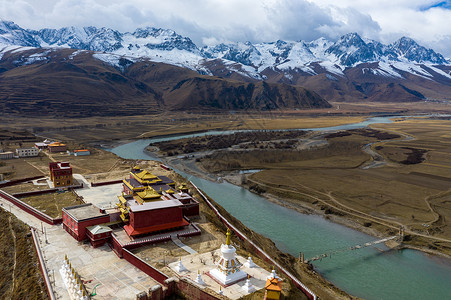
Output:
(250, 263)
(199, 279)
(227, 269)
(248, 287)
(180, 267)
(273, 275)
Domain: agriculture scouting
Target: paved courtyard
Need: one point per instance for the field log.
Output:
(118, 279)
(104, 197)
(204, 262)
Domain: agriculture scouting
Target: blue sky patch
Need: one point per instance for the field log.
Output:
(441, 4)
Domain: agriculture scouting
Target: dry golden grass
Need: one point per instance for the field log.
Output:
(23, 167)
(84, 130)
(250, 122)
(416, 195)
(24, 187)
(298, 122)
(52, 204)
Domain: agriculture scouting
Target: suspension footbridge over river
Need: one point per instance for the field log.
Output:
(337, 251)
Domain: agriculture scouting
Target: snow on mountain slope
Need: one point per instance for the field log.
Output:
(11, 34)
(247, 59)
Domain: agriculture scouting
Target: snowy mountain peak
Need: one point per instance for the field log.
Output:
(351, 39)
(408, 49)
(87, 38)
(12, 34)
(162, 39)
(165, 45)
(280, 44)
(145, 32)
(6, 26)
(350, 49)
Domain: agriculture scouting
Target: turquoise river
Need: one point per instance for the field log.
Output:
(370, 273)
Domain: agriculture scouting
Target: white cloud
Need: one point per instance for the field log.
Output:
(206, 21)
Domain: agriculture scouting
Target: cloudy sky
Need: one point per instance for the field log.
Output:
(211, 21)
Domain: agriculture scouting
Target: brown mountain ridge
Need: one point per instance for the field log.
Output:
(40, 82)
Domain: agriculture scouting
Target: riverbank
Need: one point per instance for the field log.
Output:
(333, 214)
(342, 217)
(350, 271)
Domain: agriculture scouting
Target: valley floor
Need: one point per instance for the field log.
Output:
(374, 200)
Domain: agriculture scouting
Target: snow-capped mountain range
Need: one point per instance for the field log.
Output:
(247, 59)
(351, 69)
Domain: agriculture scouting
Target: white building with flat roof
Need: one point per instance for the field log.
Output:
(27, 152)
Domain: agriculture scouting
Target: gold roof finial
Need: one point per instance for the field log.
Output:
(229, 233)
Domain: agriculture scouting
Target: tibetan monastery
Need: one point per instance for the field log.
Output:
(151, 204)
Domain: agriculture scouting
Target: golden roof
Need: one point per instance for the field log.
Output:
(55, 144)
(148, 194)
(273, 285)
(146, 175)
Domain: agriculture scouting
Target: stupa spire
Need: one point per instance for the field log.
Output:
(229, 233)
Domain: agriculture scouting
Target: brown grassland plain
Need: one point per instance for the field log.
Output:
(117, 129)
(314, 179)
(409, 191)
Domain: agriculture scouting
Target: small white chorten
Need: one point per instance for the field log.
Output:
(248, 287)
(227, 269)
(250, 263)
(199, 279)
(180, 267)
(273, 275)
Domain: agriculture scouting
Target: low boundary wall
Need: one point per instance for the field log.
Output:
(106, 182)
(190, 291)
(47, 282)
(260, 251)
(17, 181)
(30, 209)
(145, 267)
(47, 191)
(117, 246)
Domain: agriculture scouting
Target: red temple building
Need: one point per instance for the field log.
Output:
(76, 220)
(155, 216)
(151, 204)
(56, 147)
(60, 173)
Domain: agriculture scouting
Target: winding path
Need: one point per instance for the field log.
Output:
(334, 203)
(379, 160)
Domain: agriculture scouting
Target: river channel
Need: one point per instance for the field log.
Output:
(371, 273)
